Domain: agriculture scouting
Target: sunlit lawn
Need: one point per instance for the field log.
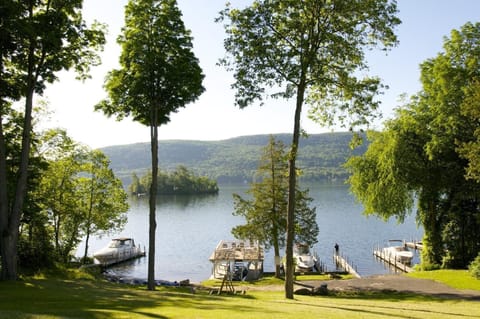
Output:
(80, 298)
(459, 279)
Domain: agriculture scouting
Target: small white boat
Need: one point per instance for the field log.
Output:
(400, 253)
(305, 261)
(118, 250)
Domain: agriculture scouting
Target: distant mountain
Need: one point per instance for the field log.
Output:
(235, 160)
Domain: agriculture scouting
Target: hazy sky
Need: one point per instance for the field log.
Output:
(214, 116)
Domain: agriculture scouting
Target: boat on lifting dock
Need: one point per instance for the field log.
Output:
(118, 250)
(239, 260)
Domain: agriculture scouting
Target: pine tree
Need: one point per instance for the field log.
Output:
(266, 213)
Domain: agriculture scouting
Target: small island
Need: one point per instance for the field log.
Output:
(179, 182)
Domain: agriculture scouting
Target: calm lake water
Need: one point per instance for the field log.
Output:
(189, 228)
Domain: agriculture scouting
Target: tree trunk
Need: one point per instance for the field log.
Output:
(276, 251)
(9, 255)
(153, 202)
(3, 202)
(87, 238)
(292, 179)
(10, 231)
(89, 218)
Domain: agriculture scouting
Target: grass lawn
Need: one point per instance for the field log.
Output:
(459, 279)
(87, 298)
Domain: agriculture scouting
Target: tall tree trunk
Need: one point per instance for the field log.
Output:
(292, 179)
(276, 245)
(89, 218)
(10, 231)
(3, 199)
(11, 221)
(153, 201)
(276, 250)
(87, 239)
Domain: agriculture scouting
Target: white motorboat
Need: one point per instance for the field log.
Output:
(399, 253)
(305, 261)
(118, 250)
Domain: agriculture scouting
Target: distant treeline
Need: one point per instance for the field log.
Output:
(321, 157)
(181, 181)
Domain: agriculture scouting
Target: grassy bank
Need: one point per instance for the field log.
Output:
(85, 298)
(459, 279)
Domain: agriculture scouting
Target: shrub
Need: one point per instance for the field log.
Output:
(474, 267)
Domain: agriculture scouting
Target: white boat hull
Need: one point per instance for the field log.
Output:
(304, 260)
(118, 250)
(399, 253)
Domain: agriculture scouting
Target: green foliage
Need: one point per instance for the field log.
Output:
(425, 152)
(376, 180)
(179, 182)
(265, 214)
(474, 267)
(159, 72)
(78, 194)
(34, 247)
(470, 150)
(235, 160)
(291, 48)
(102, 197)
(38, 39)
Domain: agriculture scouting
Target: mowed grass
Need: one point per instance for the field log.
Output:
(459, 279)
(86, 298)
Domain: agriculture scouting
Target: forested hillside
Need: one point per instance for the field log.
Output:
(321, 157)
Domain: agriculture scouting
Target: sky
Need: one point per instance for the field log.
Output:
(214, 116)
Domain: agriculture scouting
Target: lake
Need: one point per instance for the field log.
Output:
(189, 228)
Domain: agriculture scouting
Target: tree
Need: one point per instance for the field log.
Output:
(136, 188)
(103, 199)
(78, 193)
(313, 51)
(159, 74)
(40, 38)
(470, 150)
(265, 214)
(181, 181)
(34, 249)
(425, 153)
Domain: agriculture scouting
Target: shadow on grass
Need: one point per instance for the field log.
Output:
(100, 299)
(352, 302)
(392, 295)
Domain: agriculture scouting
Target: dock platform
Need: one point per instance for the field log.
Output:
(392, 261)
(417, 245)
(342, 262)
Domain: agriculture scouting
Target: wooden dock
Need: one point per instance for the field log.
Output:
(417, 245)
(342, 262)
(379, 253)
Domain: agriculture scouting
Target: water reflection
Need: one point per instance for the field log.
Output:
(178, 201)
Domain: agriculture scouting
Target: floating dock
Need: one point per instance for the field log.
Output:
(417, 245)
(379, 253)
(342, 262)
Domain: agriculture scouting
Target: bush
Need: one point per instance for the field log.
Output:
(474, 267)
(34, 255)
